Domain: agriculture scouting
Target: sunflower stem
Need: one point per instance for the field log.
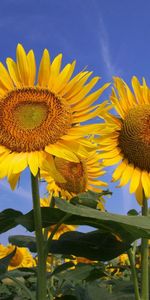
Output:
(144, 258)
(41, 270)
(134, 274)
(52, 205)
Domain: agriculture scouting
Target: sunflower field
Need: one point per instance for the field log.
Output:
(47, 125)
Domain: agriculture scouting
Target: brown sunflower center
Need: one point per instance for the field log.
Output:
(32, 118)
(134, 137)
(73, 173)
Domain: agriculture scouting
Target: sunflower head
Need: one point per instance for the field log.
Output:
(79, 177)
(44, 116)
(126, 139)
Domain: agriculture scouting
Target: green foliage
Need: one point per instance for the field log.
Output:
(89, 198)
(129, 228)
(113, 236)
(75, 284)
(94, 245)
(7, 219)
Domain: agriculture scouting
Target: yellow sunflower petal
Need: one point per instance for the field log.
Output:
(119, 170)
(55, 69)
(139, 193)
(76, 147)
(22, 64)
(126, 175)
(5, 165)
(60, 150)
(5, 78)
(33, 161)
(20, 162)
(86, 129)
(145, 179)
(135, 179)
(91, 98)
(64, 77)
(32, 67)
(77, 88)
(97, 182)
(13, 71)
(85, 90)
(44, 69)
(86, 143)
(72, 83)
(49, 166)
(137, 90)
(13, 180)
(145, 92)
(111, 153)
(112, 161)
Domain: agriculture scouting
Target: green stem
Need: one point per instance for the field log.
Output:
(52, 205)
(134, 274)
(41, 271)
(19, 283)
(144, 258)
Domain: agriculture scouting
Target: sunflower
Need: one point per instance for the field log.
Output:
(43, 116)
(126, 138)
(45, 202)
(21, 259)
(79, 176)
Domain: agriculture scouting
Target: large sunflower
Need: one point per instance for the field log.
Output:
(126, 139)
(79, 176)
(43, 116)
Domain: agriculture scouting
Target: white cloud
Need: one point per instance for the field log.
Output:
(111, 68)
(18, 191)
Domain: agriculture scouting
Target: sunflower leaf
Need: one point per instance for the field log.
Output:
(95, 245)
(128, 228)
(7, 219)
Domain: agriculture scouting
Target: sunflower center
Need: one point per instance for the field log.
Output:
(32, 118)
(134, 137)
(30, 115)
(73, 173)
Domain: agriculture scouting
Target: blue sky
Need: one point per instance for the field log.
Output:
(111, 37)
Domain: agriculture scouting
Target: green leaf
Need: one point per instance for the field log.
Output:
(23, 241)
(7, 219)
(95, 245)
(62, 268)
(79, 273)
(89, 198)
(132, 212)
(18, 273)
(129, 228)
(99, 292)
(50, 216)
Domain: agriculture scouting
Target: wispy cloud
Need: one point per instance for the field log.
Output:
(110, 66)
(21, 192)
